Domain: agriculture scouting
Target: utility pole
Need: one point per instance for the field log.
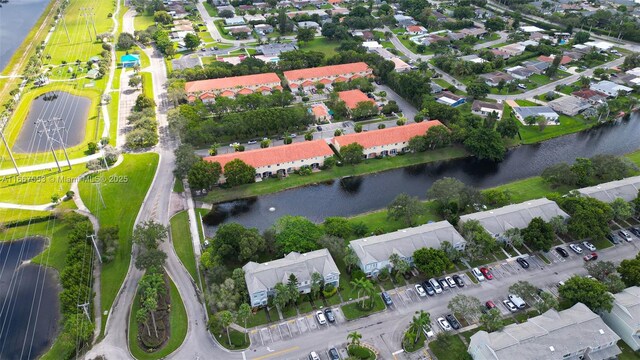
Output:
(85, 309)
(64, 23)
(95, 245)
(10, 153)
(84, 12)
(41, 122)
(57, 127)
(51, 128)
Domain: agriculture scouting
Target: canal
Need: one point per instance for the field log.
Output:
(28, 301)
(17, 17)
(366, 193)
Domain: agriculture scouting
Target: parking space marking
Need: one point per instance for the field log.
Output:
(284, 330)
(293, 328)
(276, 335)
(311, 322)
(265, 333)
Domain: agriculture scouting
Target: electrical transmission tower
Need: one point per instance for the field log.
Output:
(95, 245)
(51, 129)
(85, 309)
(88, 15)
(64, 23)
(9, 151)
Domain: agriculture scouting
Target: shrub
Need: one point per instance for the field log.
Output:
(329, 290)
(338, 132)
(329, 163)
(92, 148)
(304, 171)
(70, 194)
(357, 274)
(381, 126)
(288, 140)
(305, 98)
(360, 352)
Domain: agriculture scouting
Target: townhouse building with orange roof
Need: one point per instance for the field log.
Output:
(385, 142)
(306, 79)
(352, 98)
(208, 90)
(279, 160)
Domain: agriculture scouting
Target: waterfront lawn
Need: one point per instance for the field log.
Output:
(352, 311)
(367, 167)
(178, 328)
(568, 125)
(36, 188)
(181, 238)
(377, 221)
(530, 188)
(123, 200)
(55, 251)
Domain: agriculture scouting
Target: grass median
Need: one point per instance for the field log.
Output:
(181, 238)
(123, 192)
(353, 311)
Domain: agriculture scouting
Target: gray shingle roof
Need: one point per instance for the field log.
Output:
(548, 336)
(629, 301)
(626, 189)
(497, 221)
(569, 105)
(525, 111)
(265, 276)
(404, 242)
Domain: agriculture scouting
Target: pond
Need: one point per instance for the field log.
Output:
(356, 195)
(73, 112)
(17, 17)
(28, 301)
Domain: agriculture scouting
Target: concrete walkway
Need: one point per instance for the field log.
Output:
(49, 165)
(43, 207)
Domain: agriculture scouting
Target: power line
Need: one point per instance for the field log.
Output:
(51, 128)
(95, 245)
(10, 153)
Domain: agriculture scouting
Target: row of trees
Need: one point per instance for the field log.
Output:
(585, 172)
(143, 124)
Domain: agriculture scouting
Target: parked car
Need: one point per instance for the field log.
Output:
(458, 279)
(319, 128)
(453, 321)
(490, 305)
(562, 252)
(328, 313)
(486, 273)
(614, 238)
(252, 141)
(523, 263)
(590, 257)
(428, 333)
(333, 354)
(386, 298)
(635, 231)
(517, 301)
(428, 288)
(450, 281)
(589, 246)
(443, 283)
(420, 290)
(625, 235)
(436, 286)
(314, 356)
(293, 136)
(477, 274)
(321, 319)
(444, 324)
(510, 306)
(577, 249)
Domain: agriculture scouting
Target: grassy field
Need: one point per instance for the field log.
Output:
(142, 22)
(238, 340)
(9, 215)
(627, 352)
(180, 235)
(123, 200)
(178, 323)
(113, 108)
(450, 351)
(568, 125)
(147, 84)
(57, 233)
(323, 45)
(368, 166)
(37, 187)
(210, 9)
(352, 311)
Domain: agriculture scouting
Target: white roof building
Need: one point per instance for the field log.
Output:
(627, 189)
(531, 29)
(600, 45)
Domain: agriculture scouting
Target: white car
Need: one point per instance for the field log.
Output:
(625, 235)
(577, 249)
(314, 356)
(435, 285)
(444, 324)
(476, 272)
(510, 306)
(321, 319)
(450, 281)
(589, 246)
(428, 333)
(420, 290)
(517, 301)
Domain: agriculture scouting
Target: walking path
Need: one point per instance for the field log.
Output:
(43, 207)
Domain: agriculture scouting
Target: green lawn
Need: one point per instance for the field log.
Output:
(452, 350)
(147, 84)
(112, 109)
(37, 187)
(10, 215)
(123, 200)
(178, 187)
(143, 21)
(367, 167)
(55, 230)
(627, 352)
(259, 318)
(352, 311)
(238, 340)
(181, 237)
(377, 220)
(323, 45)
(178, 324)
(442, 82)
(414, 346)
(210, 9)
(532, 134)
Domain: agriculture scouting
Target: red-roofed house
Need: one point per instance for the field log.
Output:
(320, 112)
(300, 79)
(416, 30)
(352, 98)
(279, 159)
(549, 59)
(385, 142)
(230, 86)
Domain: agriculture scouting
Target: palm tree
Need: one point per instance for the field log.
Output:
(370, 291)
(354, 338)
(420, 320)
(358, 284)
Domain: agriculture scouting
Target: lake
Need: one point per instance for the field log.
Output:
(17, 17)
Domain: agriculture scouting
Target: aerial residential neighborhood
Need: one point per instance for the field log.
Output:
(313, 179)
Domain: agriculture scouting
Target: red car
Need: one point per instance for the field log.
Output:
(592, 256)
(490, 305)
(486, 273)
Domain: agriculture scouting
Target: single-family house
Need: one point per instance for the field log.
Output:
(569, 105)
(599, 45)
(435, 88)
(239, 30)
(626, 189)
(363, 34)
(254, 19)
(306, 79)
(279, 160)
(573, 334)
(549, 59)
(263, 30)
(373, 252)
(538, 67)
(494, 78)
(93, 74)
(308, 25)
(519, 72)
(130, 60)
(518, 216)
(624, 317)
(275, 49)
(610, 88)
(523, 112)
(320, 112)
(531, 29)
(473, 58)
(186, 62)
(475, 32)
(449, 98)
(416, 30)
(593, 97)
(404, 21)
(500, 53)
(483, 108)
(262, 278)
(233, 21)
(399, 65)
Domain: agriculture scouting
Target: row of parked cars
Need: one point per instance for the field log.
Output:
(616, 238)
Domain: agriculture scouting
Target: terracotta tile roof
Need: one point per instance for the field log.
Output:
(325, 81)
(387, 136)
(351, 98)
(325, 71)
(319, 111)
(277, 154)
(264, 88)
(245, 91)
(565, 59)
(227, 93)
(307, 83)
(207, 95)
(588, 94)
(191, 98)
(415, 28)
(341, 79)
(231, 82)
(278, 87)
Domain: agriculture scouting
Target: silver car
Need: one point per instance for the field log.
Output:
(589, 246)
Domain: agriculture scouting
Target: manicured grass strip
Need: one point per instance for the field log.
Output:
(210, 9)
(113, 108)
(181, 237)
(257, 319)
(323, 45)
(471, 277)
(123, 200)
(238, 340)
(414, 346)
(177, 320)
(147, 85)
(36, 188)
(453, 349)
(352, 311)
(10, 215)
(178, 187)
(367, 167)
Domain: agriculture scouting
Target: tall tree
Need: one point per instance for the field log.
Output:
(431, 262)
(226, 319)
(352, 153)
(420, 320)
(404, 208)
(237, 172)
(538, 234)
(590, 292)
(485, 143)
(354, 338)
(204, 175)
(244, 312)
(148, 236)
(492, 320)
(185, 159)
(468, 307)
(621, 209)
(630, 271)
(296, 233)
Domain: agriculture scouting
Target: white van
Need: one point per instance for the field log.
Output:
(517, 301)
(436, 285)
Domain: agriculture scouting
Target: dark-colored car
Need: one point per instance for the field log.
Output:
(458, 280)
(386, 298)
(453, 321)
(428, 288)
(333, 354)
(562, 252)
(487, 274)
(524, 263)
(319, 128)
(328, 313)
(613, 238)
(635, 231)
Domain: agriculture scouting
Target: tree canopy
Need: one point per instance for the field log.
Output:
(590, 292)
(431, 262)
(296, 233)
(538, 235)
